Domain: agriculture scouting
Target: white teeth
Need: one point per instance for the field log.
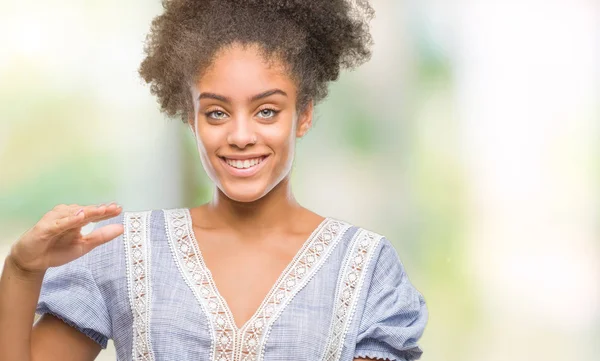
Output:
(243, 164)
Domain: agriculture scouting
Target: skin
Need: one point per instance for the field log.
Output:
(243, 105)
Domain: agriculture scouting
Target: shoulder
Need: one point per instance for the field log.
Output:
(372, 253)
(369, 241)
(378, 259)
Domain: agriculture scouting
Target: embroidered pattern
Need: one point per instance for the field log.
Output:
(194, 271)
(349, 286)
(248, 342)
(137, 253)
(305, 265)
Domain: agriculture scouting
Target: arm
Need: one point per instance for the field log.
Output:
(394, 314)
(54, 340)
(50, 338)
(56, 240)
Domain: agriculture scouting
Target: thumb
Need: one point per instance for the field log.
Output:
(101, 235)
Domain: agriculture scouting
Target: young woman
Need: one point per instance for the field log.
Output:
(251, 275)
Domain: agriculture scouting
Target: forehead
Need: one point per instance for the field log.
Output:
(244, 70)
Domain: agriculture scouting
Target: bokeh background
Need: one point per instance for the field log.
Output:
(470, 140)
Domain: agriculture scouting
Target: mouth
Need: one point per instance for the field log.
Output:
(243, 167)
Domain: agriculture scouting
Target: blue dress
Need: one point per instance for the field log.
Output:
(344, 295)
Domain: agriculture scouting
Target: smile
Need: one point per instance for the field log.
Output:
(245, 163)
(244, 167)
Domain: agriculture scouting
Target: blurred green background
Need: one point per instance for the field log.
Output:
(470, 140)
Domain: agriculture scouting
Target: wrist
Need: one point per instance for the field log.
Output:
(12, 264)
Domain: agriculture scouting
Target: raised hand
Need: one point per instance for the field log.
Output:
(56, 239)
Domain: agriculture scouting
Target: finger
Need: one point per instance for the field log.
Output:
(101, 235)
(61, 211)
(100, 214)
(82, 217)
(93, 213)
(92, 208)
(95, 209)
(61, 225)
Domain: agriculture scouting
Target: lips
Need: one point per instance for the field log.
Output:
(246, 167)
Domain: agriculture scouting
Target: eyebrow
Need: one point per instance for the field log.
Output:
(254, 98)
(267, 94)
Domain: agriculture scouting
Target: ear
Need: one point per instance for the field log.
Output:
(305, 120)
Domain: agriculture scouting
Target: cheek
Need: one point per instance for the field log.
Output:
(281, 141)
(281, 136)
(209, 137)
(207, 145)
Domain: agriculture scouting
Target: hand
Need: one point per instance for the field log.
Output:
(56, 239)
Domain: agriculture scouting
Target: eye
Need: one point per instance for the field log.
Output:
(216, 114)
(267, 113)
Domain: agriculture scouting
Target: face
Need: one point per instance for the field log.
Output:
(246, 123)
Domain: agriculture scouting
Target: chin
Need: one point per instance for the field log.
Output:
(244, 193)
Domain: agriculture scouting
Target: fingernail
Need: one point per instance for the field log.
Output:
(79, 212)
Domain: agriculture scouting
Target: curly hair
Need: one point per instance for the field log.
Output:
(314, 38)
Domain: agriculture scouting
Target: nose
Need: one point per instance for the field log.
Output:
(241, 133)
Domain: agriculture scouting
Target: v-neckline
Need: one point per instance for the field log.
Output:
(274, 288)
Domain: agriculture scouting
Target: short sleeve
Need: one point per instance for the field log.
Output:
(70, 293)
(395, 313)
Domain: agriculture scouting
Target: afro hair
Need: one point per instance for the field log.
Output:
(314, 38)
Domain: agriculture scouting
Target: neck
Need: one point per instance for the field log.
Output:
(273, 210)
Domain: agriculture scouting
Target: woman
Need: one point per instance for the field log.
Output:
(252, 274)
